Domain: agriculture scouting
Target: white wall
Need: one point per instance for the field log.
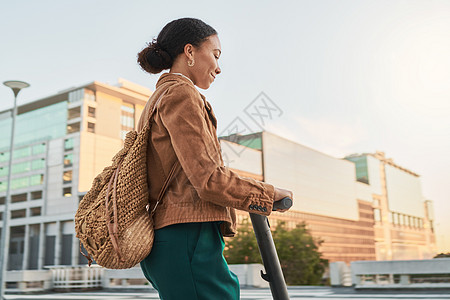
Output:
(404, 192)
(373, 168)
(321, 184)
(363, 191)
(240, 157)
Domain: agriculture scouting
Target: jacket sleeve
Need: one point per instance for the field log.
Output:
(181, 112)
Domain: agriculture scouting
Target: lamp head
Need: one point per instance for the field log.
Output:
(16, 85)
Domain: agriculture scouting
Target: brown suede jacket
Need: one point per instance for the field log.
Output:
(203, 190)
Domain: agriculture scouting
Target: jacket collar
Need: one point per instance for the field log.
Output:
(167, 77)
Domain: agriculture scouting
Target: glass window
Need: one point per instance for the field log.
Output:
(3, 186)
(3, 171)
(68, 160)
(91, 127)
(19, 183)
(18, 198)
(38, 164)
(4, 156)
(2, 200)
(37, 179)
(127, 107)
(127, 121)
(75, 127)
(38, 149)
(35, 211)
(362, 172)
(68, 144)
(127, 118)
(21, 213)
(67, 192)
(251, 142)
(49, 122)
(22, 152)
(67, 176)
(21, 168)
(91, 112)
(36, 195)
(74, 112)
(76, 95)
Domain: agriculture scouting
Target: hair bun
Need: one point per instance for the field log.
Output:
(163, 50)
(154, 58)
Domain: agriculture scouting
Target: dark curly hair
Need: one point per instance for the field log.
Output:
(161, 52)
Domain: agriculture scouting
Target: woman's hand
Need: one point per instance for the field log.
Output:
(282, 193)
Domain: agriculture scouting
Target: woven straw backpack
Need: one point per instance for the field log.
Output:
(113, 221)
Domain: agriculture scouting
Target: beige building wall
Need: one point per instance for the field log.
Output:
(98, 146)
(138, 112)
(405, 232)
(96, 152)
(108, 115)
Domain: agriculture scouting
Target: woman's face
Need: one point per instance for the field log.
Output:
(206, 66)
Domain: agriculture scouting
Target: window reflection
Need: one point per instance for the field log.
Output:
(38, 164)
(37, 179)
(74, 127)
(68, 144)
(67, 176)
(68, 160)
(74, 112)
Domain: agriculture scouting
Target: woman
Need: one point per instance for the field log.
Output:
(197, 210)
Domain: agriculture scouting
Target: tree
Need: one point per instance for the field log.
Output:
(442, 255)
(300, 259)
(243, 248)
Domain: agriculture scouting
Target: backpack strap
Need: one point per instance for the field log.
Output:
(176, 166)
(149, 121)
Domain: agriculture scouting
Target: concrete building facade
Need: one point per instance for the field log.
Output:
(363, 207)
(61, 143)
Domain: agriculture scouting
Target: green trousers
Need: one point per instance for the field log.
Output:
(187, 263)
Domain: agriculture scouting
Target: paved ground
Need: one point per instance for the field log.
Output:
(315, 293)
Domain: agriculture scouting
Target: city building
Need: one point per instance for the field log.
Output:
(61, 143)
(363, 207)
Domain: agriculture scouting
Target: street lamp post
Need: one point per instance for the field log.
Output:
(16, 86)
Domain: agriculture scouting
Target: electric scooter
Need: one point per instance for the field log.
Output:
(274, 274)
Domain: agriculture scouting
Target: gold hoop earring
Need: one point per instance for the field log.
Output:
(191, 63)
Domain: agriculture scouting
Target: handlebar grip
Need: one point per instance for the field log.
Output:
(284, 203)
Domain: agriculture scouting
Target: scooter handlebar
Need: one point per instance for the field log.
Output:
(284, 203)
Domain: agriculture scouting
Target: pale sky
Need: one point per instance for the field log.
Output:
(349, 76)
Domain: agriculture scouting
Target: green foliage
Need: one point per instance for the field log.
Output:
(442, 255)
(300, 259)
(243, 248)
